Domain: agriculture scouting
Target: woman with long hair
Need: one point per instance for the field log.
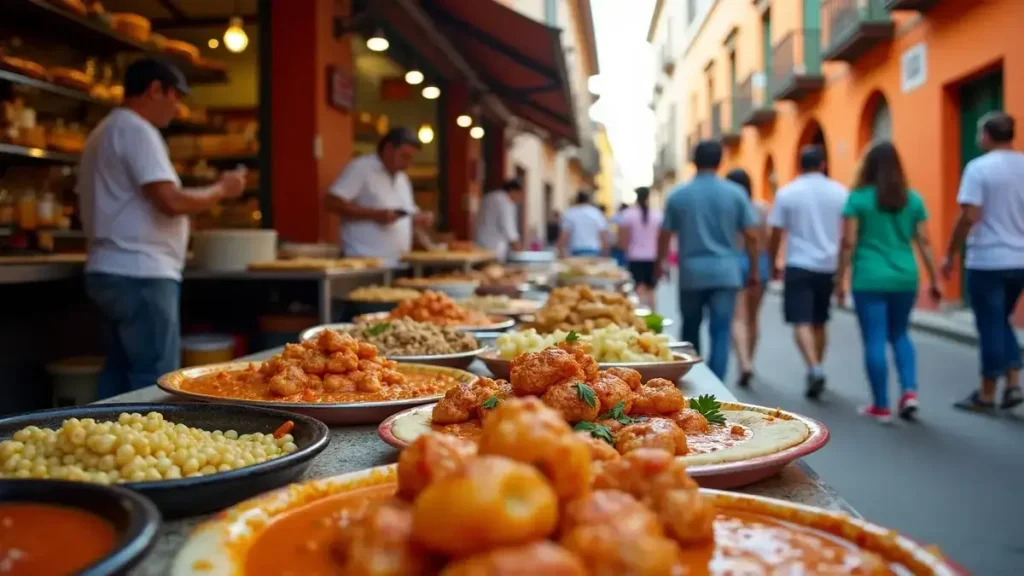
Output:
(882, 223)
(638, 238)
(745, 324)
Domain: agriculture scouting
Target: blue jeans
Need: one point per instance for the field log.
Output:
(994, 295)
(720, 303)
(885, 317)
(142, 329)
(619, 255)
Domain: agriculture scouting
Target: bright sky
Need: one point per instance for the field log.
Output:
(626, 83)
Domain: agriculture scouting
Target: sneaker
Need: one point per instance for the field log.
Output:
(881, 415)
(908, 405)
(744, 379)
(1012, 397)
(815, 386)
(974, 403)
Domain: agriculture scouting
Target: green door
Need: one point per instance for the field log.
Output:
(812, 37)
(766, 40)
(977, 98)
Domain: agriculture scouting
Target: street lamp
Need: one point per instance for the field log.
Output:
(235, 38)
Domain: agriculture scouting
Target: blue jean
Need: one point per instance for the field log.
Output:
(885, 317)
(720, 303)
(142, 329)
(619, 255)
(994, 295)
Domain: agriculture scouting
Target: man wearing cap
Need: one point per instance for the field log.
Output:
(373, 197)
(135, 216)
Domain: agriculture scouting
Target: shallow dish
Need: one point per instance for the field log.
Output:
(340, 413)
(670, 370)
(498, 323)
(203, 494)
(459, 360)
(220, 546)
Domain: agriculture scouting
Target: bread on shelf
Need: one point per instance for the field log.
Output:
(76, 6)
(183, 49)
(132, 25)
(23, 66)
(71, 78)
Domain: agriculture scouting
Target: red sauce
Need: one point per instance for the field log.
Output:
(471, 430)
(717, 438)
(41, 539)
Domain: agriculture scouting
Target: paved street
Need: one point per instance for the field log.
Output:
(953, 479)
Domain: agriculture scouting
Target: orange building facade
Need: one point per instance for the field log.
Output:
(769, 76)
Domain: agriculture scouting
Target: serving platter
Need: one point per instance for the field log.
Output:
(721, 476)
(498, 323)
(330, 413)
(202, 494)
(458, 360)
(220, 546)
(669, 370)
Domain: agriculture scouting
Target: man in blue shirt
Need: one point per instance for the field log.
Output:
(708, 214)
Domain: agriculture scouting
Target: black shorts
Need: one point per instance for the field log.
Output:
(643, 272)
(807, 296)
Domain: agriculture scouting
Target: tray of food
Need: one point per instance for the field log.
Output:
(405, 340)
(582, 309)
(534, 497)
(456, 286)
(374, 298)
(501, 305)
(437, 308)
(187, 458)
(307, 264)
(335, 378)
(463, 256)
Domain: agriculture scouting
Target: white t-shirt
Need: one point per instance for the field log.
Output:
(585, 224)
(128, 235)
(496, 223)
(366, 182)
(995, 182)
(810, 210)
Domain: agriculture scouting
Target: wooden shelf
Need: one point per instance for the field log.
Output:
(22, 80)
(14, 154)
(187, 127)
(229, 162)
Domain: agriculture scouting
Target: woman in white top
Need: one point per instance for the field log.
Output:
(497, 220)
(583, 229)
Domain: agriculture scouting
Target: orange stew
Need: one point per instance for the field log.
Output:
(46, 539)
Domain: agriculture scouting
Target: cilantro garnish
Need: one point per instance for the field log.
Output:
(618, 413)
(654, 322)
(572, 336)
(587, 394)
(491, 402)
(378, 329)
(596, 430)
(709, 407)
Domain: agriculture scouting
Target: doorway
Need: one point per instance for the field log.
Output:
(813, 135)
(977, 98)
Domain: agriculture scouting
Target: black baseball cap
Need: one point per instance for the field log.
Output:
(398, 136)
(144, 71)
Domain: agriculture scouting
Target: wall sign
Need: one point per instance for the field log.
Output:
(913, 67)
(340, 88)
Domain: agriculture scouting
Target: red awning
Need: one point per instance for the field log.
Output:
(520, 59)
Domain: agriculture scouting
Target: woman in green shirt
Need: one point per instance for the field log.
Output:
(882, 221)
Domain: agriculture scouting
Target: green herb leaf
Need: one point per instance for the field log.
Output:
(618, 413)
(654, 322)
(587, 394)
(378, 329)
(572, 337)
(491, 402)
(596, 430)
(709, 407)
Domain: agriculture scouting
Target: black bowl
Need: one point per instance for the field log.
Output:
(135, 519)
(203, 494)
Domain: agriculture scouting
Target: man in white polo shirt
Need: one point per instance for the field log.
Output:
(135, 215)
(374, 198)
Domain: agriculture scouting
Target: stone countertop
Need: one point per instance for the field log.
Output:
(358, 447)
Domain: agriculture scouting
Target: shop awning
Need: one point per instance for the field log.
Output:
(520, 59)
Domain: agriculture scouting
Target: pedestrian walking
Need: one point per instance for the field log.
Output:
(497, 220)
(706, 215)
(745, 323)
(882, 223)
(638, 239)
(807, 214)
(618, 251)
(584, 229)
(991, 221)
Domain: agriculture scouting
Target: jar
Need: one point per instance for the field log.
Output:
(46, 210)
(27, 214)
(7, 208)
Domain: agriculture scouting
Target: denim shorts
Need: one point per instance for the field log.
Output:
(763, 266)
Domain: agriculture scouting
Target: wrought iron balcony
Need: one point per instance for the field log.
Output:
(916, 5)
(750, 106)
(796, 65)
(852, 27)
(721, 130)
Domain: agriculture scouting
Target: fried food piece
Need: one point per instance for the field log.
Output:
(611, 390)
(646, 473)
(429, 458)
(691, 421)
(610, 507)
(288, 382)
(581, 351)
(599, 449)
(534, 372)
(534, 559)
(687, 516)
(462, 402)
(380, 545)
(652, 433)
(571, 400)
(658, 396)
(607, 551)
(493, 501)
(628, 375)
(331, 341)
(527, 430)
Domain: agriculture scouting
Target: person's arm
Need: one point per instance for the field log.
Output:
(669, 226)
(924, 246)
(749, 224)
(970, 200)
(563, 237)
(777, 222)
(342, 194)
(851, 227)
(509, 225)
(172, 200)
(623, 239)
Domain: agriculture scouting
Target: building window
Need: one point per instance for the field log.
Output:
(551, 12)
(691, 11)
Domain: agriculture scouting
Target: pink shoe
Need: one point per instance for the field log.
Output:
(881, 415)
(908, 405)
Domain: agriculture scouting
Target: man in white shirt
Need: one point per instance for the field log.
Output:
(584, 229)
(991, 221)
(373, 197)
(497, 227)
(135, 215)
(808, 211)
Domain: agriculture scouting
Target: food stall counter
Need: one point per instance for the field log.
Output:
(40, 268)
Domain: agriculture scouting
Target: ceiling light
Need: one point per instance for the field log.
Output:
(235, 38)
(377, 42)
(213, 43)
(477, 132)
(464, 121)
(426, 134)
(431, 92)
(414, 77)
